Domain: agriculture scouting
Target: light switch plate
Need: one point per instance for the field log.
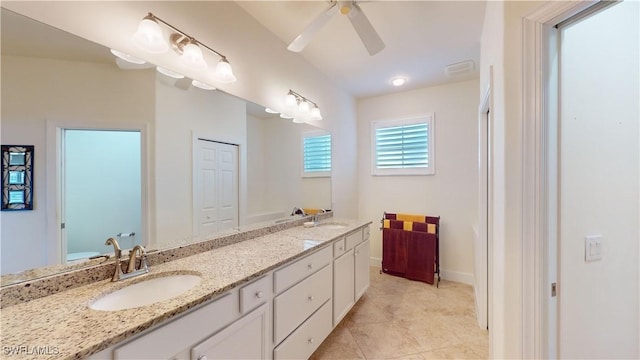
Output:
(592, 248)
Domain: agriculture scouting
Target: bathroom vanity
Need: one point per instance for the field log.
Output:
(273, 296)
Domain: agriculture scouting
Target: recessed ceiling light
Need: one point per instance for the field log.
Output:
(398, 81)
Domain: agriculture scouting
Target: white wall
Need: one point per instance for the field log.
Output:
(66, 93)
(179, 115)
(600, 111)
(264, 68)
(451, 193)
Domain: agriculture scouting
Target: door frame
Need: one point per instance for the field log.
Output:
(242, 178)
(539, 196)
(485, 236)
(56, 248)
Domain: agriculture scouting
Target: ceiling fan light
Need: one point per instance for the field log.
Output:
(224, 73)
(315, 114)
(192, 57)
(126, 57)
(149, 36)
(201, 85)
(169, 73)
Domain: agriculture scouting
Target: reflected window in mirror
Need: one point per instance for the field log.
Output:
(316, 151)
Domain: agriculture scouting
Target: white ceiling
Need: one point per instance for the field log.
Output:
(421, 37)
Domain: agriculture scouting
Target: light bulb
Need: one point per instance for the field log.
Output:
(303, 107)
(149, 36)
(290, 101)
(315, 114)
(192, 57)
(224, 73)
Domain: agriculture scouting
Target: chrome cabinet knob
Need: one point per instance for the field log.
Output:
(203, 357)
(310, 266)
(310, 340)
(310, 297)
(259, 295)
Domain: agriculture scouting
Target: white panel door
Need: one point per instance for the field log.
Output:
(216, 186)
(228, 186)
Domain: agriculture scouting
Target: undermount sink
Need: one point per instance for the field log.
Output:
(332, 226)
(146, 292)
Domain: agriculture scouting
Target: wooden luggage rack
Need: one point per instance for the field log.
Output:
(410, 246)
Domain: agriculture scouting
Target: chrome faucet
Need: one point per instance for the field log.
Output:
(315, 216)
(131, 268)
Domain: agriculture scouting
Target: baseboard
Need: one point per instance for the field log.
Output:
(465, 278)
(377, 262)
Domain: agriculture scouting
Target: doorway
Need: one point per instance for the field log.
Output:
(215, 194)
(598, 172)
(100, 192)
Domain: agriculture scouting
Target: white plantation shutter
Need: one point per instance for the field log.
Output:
(403, 147)
(316, 157)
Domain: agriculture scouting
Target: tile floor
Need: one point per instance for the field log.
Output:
(403, 319)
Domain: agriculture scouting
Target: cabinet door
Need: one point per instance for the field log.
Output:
(244, 339)
(362, 269)
(343, 286)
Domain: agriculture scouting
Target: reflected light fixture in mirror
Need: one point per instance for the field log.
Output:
(302, 108)
(149, 37)
(201, 85)
(169, 73)
(127, 57)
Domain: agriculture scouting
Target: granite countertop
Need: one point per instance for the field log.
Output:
(62, 326)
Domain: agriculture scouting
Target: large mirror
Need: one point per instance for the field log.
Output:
(156, 183)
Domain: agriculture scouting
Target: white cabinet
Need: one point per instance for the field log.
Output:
(306, 339)
(343, 282)
(350, 272)
(244, 339)
(362, 268)
(166, 341)
(295, 305)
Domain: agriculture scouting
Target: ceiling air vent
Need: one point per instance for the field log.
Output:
(459, 69)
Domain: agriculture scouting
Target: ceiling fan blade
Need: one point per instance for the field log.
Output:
(365, 30)
(302, 40)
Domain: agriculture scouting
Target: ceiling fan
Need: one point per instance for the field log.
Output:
(359, 20)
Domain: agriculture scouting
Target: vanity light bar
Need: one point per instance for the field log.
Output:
(302, 107)
(150, 38)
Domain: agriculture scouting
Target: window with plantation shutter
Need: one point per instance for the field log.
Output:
(403, 147)
(316, 150)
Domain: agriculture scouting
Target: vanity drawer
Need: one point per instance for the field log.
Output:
(167, 340)
(255, 294)
(296, 304)
(338, 248)
(354, 239)
(306, 339)
(290, 275)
